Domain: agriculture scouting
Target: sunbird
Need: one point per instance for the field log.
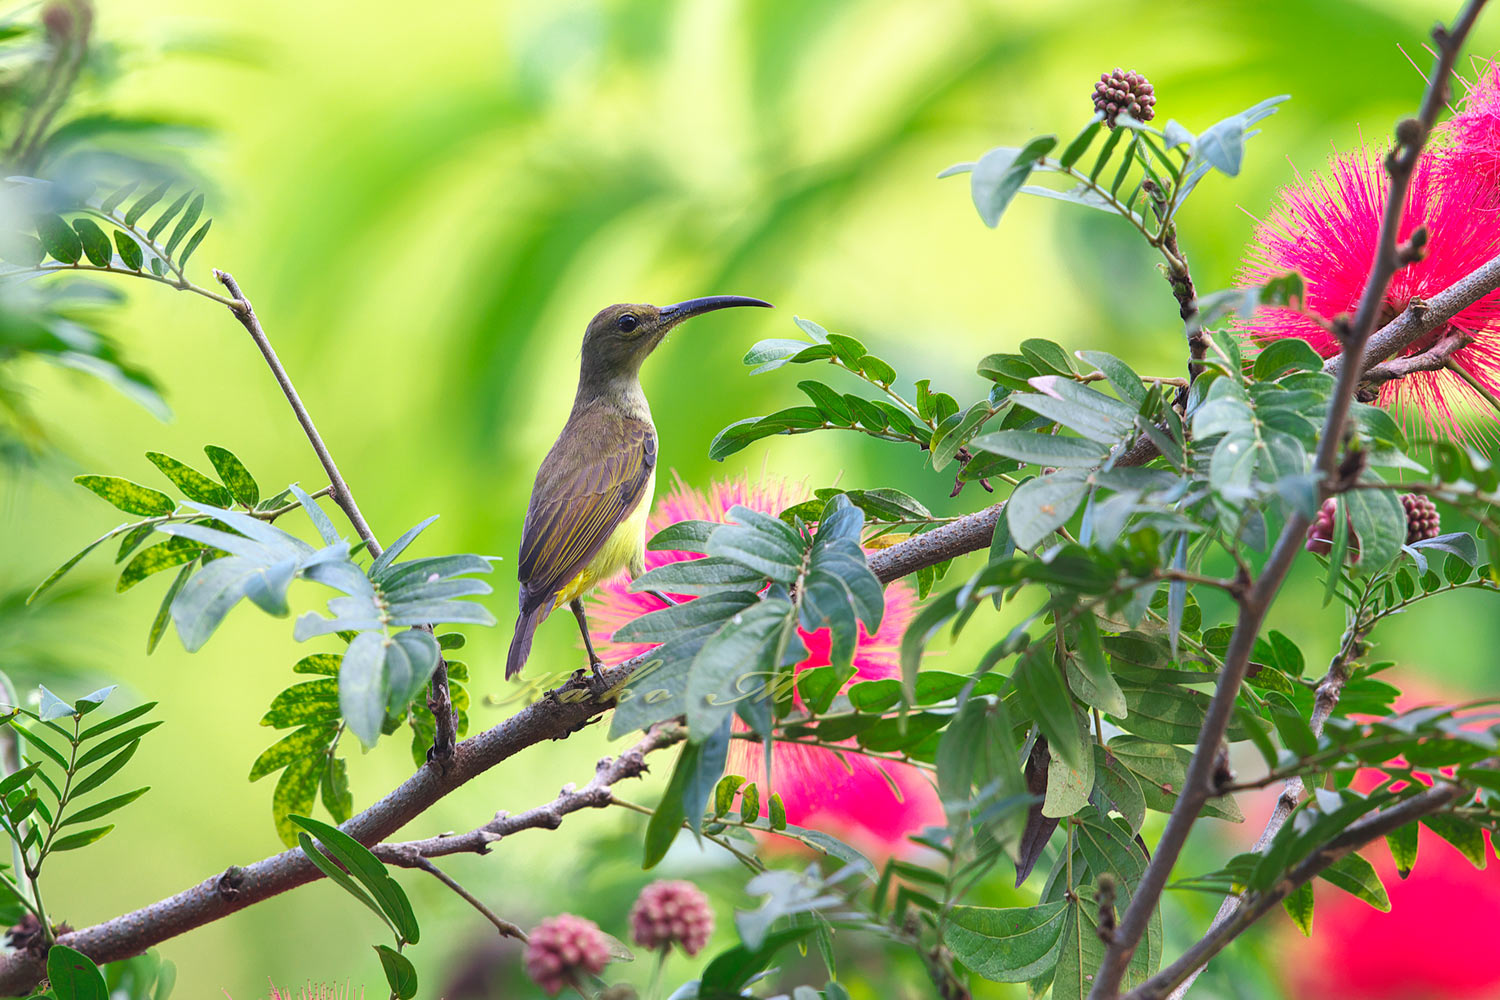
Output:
(587, 516)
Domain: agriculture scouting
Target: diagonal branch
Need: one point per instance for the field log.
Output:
(1198, 787)
(1436, 799)
(555, 717)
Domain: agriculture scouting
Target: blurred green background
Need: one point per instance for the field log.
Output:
(427, 202)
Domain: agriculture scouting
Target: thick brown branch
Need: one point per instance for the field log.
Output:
(553, 718)
(1198, 787)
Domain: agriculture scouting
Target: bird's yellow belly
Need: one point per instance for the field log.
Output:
(624, 549)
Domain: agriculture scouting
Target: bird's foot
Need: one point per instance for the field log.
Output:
(666, 600)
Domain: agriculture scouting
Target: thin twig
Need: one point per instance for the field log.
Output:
(1435, 358)
(595, 795)
(440, 698)
(505, 927)
(1411, 135)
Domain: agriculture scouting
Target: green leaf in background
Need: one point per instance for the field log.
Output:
(59, 239)
(132, 498)
(1380, 522)
(144, 202)
(166, 216)
(130, 250)
(95, 243)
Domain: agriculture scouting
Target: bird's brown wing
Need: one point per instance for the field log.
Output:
(589, 483)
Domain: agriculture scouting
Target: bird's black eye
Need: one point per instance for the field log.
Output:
(627, 323)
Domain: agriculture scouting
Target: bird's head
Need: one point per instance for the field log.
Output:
(620, 337)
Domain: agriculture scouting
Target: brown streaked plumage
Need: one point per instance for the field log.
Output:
(587, 516)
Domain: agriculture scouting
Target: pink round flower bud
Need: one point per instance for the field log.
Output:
(1320, 532)
(671, 912)
(561, 949)
(1124, 92)
(1421, 517)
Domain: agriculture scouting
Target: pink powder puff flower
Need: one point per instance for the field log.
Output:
(1326, 229)
(852, 800)
(1469, 142)
(563, 949)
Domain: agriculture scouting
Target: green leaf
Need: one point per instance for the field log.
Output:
(667, 820)
(1468, 837)
(1039, 507)
(72, 975)
(1356, 876)
(729, 972)
(130, 250)
(164, 612)
(399, 972)
(1032, 448)
(130, 497)
(362, 686)
(59, 239)
(163, 555)
(1122, 378)
(104, 808)
(296, 791)
(1040, 682)
(166, 217)
(193, 484)
(234, 474)
(1000, 173)
(1403, 845)
(1119, 785)
(105, 771)
(308, 741)
(337, 797)
(370, 872)
(1069, 787)
(83, 838)
(95, 243)
(730, 668)
(1288, 354)
(145, 201)
(698, 576)
(340, 877)
(1299, 906)
(1006, 945)
(62, 570)
(110, 203)
(1380, 522)
(184, 224)
(192, 244)
(1090, 677)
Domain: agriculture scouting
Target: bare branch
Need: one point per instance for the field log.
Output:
(595, 795)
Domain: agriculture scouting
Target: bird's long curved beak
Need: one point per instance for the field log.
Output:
(679, 311)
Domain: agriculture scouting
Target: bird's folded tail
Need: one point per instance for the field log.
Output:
(520, 643)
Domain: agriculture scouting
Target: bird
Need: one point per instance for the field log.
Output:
(587, 516)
